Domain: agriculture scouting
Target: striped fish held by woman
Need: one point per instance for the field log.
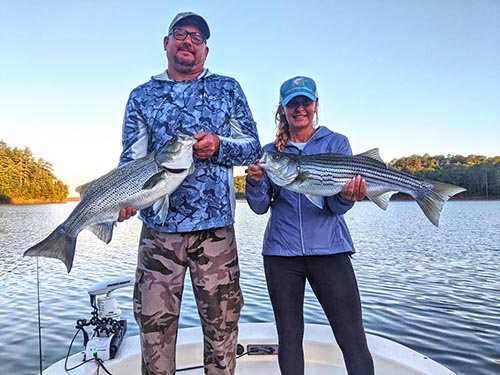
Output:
(317, 176)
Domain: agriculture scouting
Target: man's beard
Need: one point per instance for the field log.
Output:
(183, 65)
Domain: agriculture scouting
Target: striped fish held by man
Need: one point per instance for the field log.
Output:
(323, 175)
(144, 182)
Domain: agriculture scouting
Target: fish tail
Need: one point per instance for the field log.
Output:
(59, 244)
(432, 201)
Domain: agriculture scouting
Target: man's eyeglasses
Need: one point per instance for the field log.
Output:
(297, 102)
(181, 34)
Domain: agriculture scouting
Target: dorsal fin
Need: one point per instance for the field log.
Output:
(81, 189)
(373, 154)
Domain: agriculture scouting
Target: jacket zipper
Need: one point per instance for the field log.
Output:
(302, 245)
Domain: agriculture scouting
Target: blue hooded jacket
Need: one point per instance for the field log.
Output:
(296, 227)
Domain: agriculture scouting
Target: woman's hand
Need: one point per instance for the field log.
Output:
(354, 189)
(255, 172)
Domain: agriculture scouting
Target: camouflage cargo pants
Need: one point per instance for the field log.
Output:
(163, 259)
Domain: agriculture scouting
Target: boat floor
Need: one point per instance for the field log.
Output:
(322, 355)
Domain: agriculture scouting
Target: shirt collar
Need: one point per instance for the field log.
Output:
(164, 76)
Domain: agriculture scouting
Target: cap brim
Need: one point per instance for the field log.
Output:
(195, 20)
(289, 97)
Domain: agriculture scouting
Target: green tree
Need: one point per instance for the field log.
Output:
(24, 178)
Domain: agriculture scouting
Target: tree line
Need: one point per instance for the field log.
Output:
(480, 175)
(25, 179)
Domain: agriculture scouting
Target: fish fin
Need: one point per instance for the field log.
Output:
(382, 200)
(432, 201)
(103, 231)
(152, 181)
(81, 189)
(160, 208)
(59, 245)
(317, 200)
(373, 154)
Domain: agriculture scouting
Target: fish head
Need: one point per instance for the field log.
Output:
(177, 153)
(281, 168)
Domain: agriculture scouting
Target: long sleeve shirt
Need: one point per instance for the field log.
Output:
(157, 110)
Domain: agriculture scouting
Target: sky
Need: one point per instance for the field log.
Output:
(407, 76)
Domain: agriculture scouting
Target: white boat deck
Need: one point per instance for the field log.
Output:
(322, 355)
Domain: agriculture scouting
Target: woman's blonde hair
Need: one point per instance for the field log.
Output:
(283, 133)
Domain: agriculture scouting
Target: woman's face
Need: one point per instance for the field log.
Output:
(299, 113)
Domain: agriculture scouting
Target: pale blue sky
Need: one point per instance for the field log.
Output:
(406, 76)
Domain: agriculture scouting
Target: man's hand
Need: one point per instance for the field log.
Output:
(126, 213)
(207, 145)
(354, 189)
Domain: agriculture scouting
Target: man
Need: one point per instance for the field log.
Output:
(198, 234)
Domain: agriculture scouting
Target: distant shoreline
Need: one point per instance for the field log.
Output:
(77, 199)
(40, 201)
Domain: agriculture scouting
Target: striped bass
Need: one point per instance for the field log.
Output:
(323, 175)
(140, 183)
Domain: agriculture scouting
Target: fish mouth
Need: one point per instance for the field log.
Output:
(187, 139)
(175, 170)
(178, 154)
(263, 161)
(277, 168)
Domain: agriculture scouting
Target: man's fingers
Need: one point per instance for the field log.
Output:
(207, 145)
(126, 213)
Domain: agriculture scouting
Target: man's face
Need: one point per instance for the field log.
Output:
(184, 56)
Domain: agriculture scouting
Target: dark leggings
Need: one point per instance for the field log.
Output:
(333, 281)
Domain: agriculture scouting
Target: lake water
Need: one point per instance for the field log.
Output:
(435, 290)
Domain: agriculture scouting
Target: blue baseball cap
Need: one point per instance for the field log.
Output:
(297, 86)
(190, 18)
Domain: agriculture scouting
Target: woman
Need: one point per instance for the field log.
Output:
(303, 242)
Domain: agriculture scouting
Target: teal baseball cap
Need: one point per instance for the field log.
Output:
(297, 86)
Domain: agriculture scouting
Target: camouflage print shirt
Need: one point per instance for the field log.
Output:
(160, 108)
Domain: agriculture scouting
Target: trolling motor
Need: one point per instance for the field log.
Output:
(109, 330)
